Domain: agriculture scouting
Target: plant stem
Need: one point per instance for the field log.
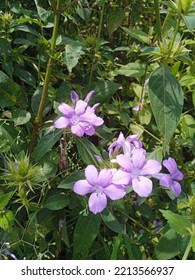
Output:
(97, 42)
(174, 36)
(158, 21)
(187, 251)
(38, 118)
(134, 221)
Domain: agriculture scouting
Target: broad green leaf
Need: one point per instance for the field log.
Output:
(167, 247)
(177, 222)
(73, 52)
(131, 69)
(145, 115)
(35, 100)
(104, 90)
(44, 15)
(189, 21)
(5, 198)
(20, 116)
(56, 202)
(111, 222)
(46, 143)
(115, 19)
(187, 124)
(166, 98)
(6, 219)
(137, 34)
(87, 150)
(84, 13)
(25, 76)
(70, 180)
(187, 80)
(11, 93)
(86, 231)
(8, 135)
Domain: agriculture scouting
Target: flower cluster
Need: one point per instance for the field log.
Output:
(81, 118)
(134, 170)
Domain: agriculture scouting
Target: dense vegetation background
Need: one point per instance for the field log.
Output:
(139, 57)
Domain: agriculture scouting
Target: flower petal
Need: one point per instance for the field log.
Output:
(121, 177)
(80, 107)
(138, 158)
(91, 175)
(97, 202)
(89, 130)
(124, 162)
(91, 118)
(142, 186)
(105, 177)
(78, 130)
(82, 187)
(176, 188)
(89, 95)
(66, 109)
(165, 180)
(74, 97)
(115, 192)
(151, 167)
(62, 122)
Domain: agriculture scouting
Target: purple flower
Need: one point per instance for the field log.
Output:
(136, 169)
(170, 180)
(81, 119)
(127, 144)
(100, 186)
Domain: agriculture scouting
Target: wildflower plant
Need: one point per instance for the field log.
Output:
(97, 130)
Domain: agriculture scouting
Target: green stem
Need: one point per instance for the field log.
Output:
(38, 118)
(158, 21)
(134, 221)
(174, 36)
(97, 42)
(187, 251)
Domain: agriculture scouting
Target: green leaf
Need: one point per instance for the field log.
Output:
(104, 90)
(70, 180)
(131, 69)
(87, 150)
(86, 231)
(115, 19)
(84, 13)
(20, 116)
(11, 93)
(46, 143)
(137, 34)
(166, 98)
(187, 124)
(189, 21)
(6, 219)
(73, 52)
(25, 76)
(5, 198)
(56, 202)
(178, 223)
(110, 220)
(167, 247)
(8, 135)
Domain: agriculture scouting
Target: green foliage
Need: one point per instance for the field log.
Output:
(166, 98)
(135, 55)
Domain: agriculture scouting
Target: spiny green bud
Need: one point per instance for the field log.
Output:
(184, 5)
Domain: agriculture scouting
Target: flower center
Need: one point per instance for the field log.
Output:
(75, 120)
(98, 189)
